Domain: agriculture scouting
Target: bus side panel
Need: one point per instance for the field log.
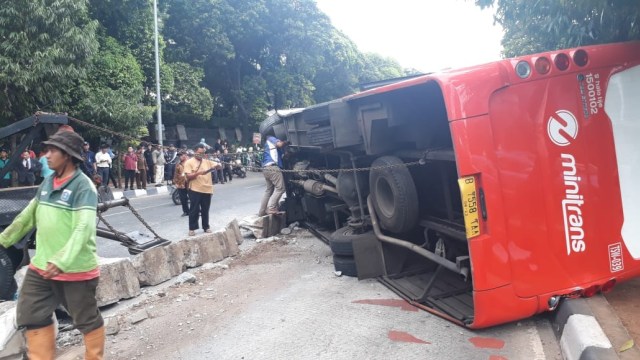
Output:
(473, 145)
(501, 305)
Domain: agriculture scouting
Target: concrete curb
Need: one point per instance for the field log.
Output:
(580, 334)
(151, 190)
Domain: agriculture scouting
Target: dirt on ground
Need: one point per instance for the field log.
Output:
(170, 314)
(625, 300)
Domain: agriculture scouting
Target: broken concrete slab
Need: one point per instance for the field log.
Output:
(118, 280)
(210, 248)
(235, 228)
(12, 343)
(231, 238)
(152, 266)
(220, 237)
(175, 257)
(111, 325)
(138, 316)
(186, 277)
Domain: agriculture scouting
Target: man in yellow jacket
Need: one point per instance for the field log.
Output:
(65, 268)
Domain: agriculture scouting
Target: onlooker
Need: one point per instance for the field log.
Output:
(158, 162)
(226, 165)
(64, 269)
(45, 171)
(148, 157)
(89, 160)
(180, 182)
(197, 171)
(114, 170)
(217, 147)
(5, 181)
(171, 158)
(103, 164)
(27, 169)
(271, 165)
(141, 174)
(130, 160)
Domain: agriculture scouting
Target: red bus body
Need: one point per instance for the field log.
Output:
(555, 156)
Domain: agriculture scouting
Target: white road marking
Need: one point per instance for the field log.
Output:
(253, 186)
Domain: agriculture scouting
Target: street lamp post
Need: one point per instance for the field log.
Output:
(158, 97)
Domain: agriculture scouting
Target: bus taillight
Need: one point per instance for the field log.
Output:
(562, 61)
(580, 58)
(590, 291)
(542, 65)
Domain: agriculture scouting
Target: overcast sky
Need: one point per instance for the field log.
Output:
(427, 35)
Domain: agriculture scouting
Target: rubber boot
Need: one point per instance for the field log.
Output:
(41, 343)
(94, 344)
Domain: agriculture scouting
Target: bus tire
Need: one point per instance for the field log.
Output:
(266, 126)
(394, 195)
(7, 284)
(346, 265)
(341, 241)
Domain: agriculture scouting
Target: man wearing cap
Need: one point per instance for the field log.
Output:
(5, 181)
(271, 164)
(64, 269)
(197, 170)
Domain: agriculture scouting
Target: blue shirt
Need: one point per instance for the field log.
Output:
(45, 171)
(272, 154)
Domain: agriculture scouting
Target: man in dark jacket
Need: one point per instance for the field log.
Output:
(27, 169)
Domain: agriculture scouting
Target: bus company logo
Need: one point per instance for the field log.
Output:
(615, 257)
(562, 128)
(572, 206)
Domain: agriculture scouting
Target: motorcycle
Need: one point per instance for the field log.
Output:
(237, 169)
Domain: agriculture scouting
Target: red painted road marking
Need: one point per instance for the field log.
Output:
(405, 337)
(487, 343)
(388, 302)
(497, 357)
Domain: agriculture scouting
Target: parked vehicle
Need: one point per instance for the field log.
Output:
(484, 195)
(238, 169)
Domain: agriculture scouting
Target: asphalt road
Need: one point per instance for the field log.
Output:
(236, 199)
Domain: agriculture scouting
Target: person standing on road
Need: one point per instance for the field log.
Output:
(271, 165)
(141, 171)
(64, 269)
(27, 169)
(180, 182)
(198, 170)
(5, 181)
(148, 157)
(130, 160)
(103, 164)
(158, 162)
(45, 171)
(89, 160)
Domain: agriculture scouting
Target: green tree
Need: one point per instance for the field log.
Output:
(111, 95)
(543, 25)
(188, 96)
(45, 47)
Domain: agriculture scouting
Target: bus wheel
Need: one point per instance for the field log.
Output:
(7, 285)
(394, 195)
(346, 265)
(341, 241)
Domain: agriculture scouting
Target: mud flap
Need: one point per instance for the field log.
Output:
(367, 253)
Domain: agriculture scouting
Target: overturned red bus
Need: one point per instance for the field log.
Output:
(485, 194)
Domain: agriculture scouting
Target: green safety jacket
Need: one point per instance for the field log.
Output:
(66, 223)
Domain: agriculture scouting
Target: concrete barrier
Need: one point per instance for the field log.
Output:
(122, 278)
(118, 280)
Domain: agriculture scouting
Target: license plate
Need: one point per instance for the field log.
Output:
(470, 205)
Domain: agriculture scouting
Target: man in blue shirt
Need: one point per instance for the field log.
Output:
(271, 165)
(89, 160)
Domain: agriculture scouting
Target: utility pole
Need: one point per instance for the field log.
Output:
(158, 97)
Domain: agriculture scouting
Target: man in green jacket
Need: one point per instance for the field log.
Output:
(64, 269)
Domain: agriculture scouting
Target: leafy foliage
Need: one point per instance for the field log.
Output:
(543, 25)
(45, 48)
